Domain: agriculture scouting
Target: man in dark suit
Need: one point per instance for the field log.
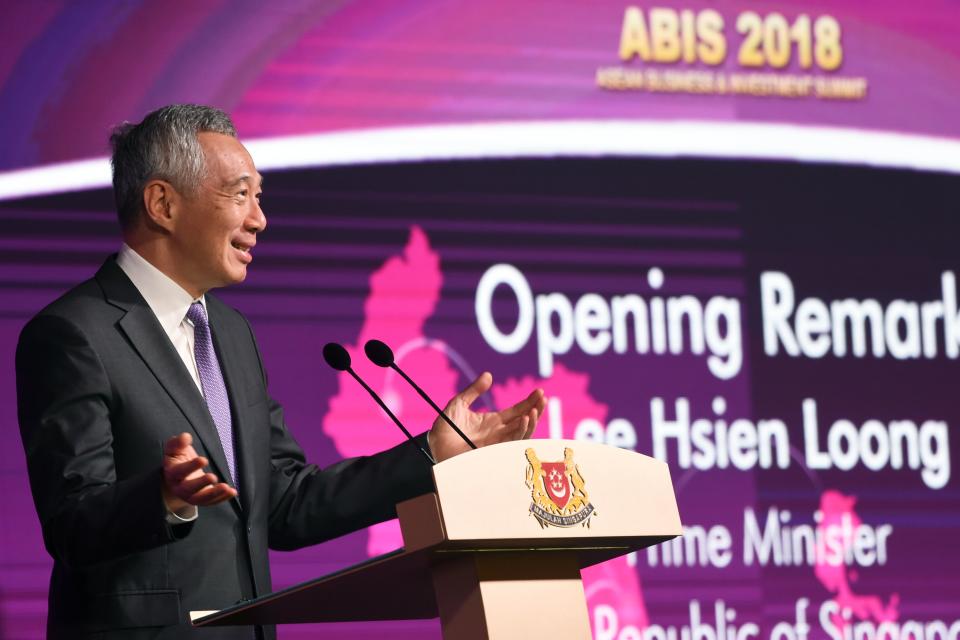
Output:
(160, 467)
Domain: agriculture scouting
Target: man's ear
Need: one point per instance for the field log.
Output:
(160, 201)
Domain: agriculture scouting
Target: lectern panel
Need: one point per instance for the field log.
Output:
(540, 489)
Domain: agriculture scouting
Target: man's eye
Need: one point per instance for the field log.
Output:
(242, 193)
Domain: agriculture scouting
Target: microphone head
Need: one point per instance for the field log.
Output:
(379, 353)
(336, 356)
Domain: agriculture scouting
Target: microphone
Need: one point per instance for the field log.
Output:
(338, 358)
(382, 356)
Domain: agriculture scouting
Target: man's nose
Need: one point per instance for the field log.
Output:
(257, 220)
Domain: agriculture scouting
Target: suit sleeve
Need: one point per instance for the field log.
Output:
(309, 505)
(64, 401)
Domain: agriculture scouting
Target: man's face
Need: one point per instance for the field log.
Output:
(216, 229)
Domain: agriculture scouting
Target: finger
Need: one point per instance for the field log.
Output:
(542, 404)
(515, 429)
(191, 486)
(214, 494)
(532, 425)
(177, 444)
(476, 388)
(205, 495)
(181, 470)
(531, 401)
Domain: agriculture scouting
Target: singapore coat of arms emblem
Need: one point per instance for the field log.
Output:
(558, 493)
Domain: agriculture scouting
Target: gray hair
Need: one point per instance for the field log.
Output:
(162, 147)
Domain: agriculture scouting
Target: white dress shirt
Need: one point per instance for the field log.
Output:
(169, 303)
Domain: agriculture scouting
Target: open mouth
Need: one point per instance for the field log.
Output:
(243, 251)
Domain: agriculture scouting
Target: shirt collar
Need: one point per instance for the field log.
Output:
(168, 300)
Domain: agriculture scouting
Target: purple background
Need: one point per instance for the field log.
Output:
(70, 70)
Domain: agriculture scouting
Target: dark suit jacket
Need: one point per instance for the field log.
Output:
(100, 388)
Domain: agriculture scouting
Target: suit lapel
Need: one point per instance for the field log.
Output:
(146, 335)
(227, 348)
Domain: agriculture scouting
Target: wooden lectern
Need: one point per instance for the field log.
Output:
(496, 552)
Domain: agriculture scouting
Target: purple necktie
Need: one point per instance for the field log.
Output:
(211, 379)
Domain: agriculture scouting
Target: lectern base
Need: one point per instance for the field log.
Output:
(518, 595)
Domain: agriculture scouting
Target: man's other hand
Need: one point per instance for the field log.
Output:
(513, 423)
(184, 480)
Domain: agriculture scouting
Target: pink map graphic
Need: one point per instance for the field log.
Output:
(837, 578)
(404, 293)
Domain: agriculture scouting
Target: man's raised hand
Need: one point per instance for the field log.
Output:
(184, 480)
(513, 423)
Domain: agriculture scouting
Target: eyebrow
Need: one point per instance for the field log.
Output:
(244, 178)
